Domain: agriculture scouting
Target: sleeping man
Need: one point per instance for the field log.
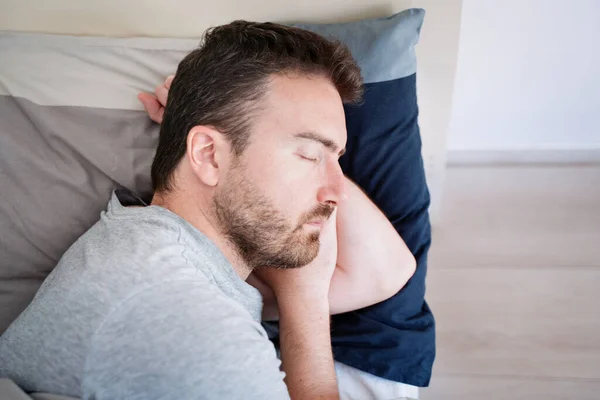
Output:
(373, 262)
(152, 302)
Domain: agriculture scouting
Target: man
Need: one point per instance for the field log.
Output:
(373, 262)
(151, 302)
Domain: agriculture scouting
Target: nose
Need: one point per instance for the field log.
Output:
(332, 190)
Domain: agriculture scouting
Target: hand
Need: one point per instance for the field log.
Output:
(270, 310)
(312, 279)
(155, 103)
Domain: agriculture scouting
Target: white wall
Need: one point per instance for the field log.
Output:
(528, 76)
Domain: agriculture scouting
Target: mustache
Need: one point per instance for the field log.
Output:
(322, 211)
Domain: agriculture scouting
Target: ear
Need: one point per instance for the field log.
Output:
(203, 152)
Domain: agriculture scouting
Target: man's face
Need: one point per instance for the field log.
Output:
(278, 193)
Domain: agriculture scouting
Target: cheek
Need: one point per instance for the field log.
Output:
(291, 185)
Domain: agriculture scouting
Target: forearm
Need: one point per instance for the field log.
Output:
(364, 232)
(373, 261)
(305, 342)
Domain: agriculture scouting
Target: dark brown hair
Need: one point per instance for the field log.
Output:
(221, 83)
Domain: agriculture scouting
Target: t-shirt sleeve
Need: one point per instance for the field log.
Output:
(182, 340)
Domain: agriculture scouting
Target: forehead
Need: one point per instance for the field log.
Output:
(298, 103)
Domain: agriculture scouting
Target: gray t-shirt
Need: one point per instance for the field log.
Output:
(143, 306)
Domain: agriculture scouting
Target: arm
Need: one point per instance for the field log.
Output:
(305, 340)
(373, 261)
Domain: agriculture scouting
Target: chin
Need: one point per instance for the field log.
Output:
(302, 249)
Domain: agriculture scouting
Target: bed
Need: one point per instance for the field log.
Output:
(72, 130)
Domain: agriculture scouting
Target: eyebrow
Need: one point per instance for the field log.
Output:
(330, 144)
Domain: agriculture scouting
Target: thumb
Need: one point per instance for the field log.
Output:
(329, 227)
(168, 81)
(333, 216)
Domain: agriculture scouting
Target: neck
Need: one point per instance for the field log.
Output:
(196, 211)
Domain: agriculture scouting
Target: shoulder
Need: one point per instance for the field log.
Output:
(179, 338)
(176, 306)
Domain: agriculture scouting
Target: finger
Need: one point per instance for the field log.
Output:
(152, 106)
(344, 190)
(159, 116)
(330, 225)
(168, 81)
(161, 94)
(333, 216)
(149, 102)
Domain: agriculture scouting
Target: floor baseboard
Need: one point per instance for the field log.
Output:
(521, 157)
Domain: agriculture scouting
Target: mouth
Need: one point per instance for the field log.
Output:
(316, 223)
(318, 217)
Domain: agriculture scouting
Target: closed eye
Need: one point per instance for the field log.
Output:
(308, 158)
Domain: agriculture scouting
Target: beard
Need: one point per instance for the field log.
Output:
(262, 235)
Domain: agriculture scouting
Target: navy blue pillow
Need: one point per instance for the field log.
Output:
(394, 339)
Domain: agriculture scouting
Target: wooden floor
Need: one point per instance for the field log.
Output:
(514, 282)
